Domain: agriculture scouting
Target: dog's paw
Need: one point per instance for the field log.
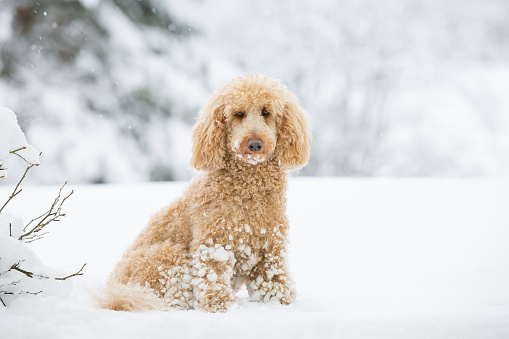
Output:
(273, 292)
(214, 308)
(216, 298)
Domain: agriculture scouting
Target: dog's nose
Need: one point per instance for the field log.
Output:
(255, 144)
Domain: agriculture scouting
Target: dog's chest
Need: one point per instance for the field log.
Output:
(242, 226)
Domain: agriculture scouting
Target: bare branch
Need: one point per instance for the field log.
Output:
(20, 292)
(29, 274)
(2, 168)
(34, 233)
(16, 192)
(20, 149)
(35, 238)
(74, 274)
(53, 214)
(17, 150)
(16, 293)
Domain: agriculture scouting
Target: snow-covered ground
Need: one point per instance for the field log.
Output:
(372, 258)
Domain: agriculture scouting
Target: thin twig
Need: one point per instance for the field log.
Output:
(14, 283)
(2, 168)
(16, 192)
(74, 274)
(28, 273)
(46, 218)
(35, 238)
(17, 150)
(40, 276)
(31, 275)
(20, 292)
(20, 149)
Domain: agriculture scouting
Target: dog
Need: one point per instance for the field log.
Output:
(229, 228)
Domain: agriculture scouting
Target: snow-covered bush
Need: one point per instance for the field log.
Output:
(13, 141)
(21, 271)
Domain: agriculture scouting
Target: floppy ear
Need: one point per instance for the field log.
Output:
(209, 136)
(293, 139)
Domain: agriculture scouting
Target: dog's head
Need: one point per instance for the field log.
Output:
(254, 118)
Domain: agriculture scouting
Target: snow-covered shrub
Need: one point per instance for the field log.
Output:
(21, 271)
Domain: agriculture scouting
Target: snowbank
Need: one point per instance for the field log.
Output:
(21, 271)
(13, 139)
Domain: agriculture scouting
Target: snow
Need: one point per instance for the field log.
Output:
(220, 254)
(16, 222)
(236, 145)
(371, 258)
(12, 139)
(14, 251)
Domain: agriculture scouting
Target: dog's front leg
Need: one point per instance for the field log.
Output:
(213, 272)
(269, 281)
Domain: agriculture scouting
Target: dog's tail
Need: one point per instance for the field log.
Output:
(127, 297)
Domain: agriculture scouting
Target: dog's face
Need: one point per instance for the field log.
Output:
(252, 132)
(254, 118)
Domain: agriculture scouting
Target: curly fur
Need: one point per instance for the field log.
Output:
(230, 227)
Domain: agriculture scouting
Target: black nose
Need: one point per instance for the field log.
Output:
(255, 145)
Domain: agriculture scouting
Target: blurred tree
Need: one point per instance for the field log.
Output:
(66, 47)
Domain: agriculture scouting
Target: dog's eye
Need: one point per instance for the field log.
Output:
(239, 114)
(265, 112)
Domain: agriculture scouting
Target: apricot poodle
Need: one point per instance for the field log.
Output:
(229, 228)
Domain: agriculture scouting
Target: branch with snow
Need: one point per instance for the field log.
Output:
(3, 292)
(13, 141)
(16, 280)
(17, 190)
(16, 267)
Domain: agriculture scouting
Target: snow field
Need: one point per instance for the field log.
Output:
(371, 258)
